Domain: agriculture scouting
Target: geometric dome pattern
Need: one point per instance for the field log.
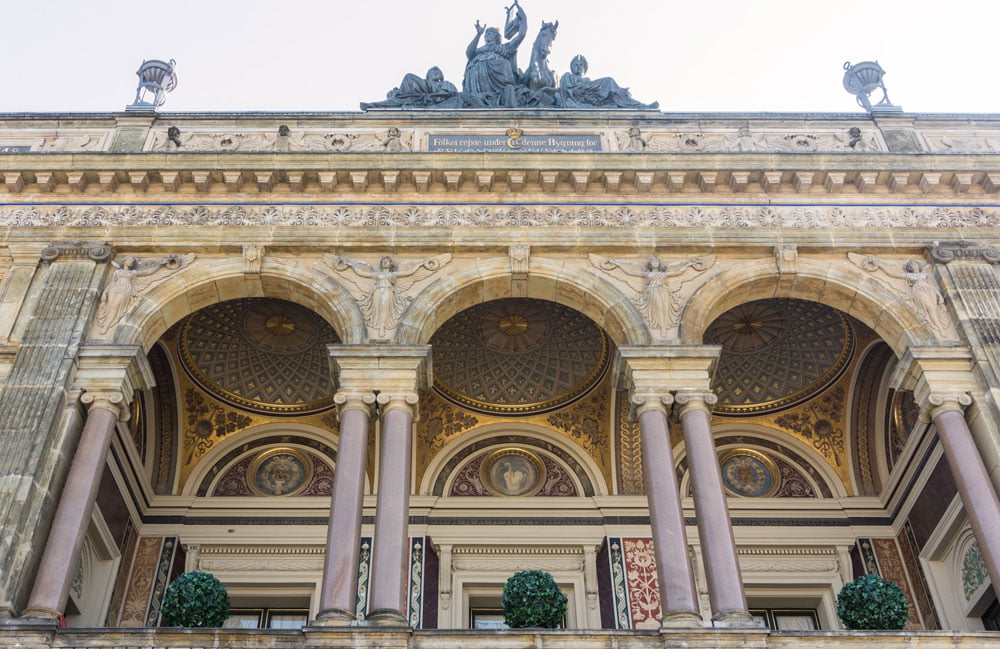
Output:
(264, 355)
(777, 353)
(517, 356)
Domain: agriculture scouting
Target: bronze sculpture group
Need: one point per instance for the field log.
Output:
(493, 79)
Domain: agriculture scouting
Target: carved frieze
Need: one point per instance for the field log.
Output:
(181, 140)
(733, 217)
(744, 139)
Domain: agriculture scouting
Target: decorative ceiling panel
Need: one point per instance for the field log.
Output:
(264, 355)
(776, 353)
(518, 356)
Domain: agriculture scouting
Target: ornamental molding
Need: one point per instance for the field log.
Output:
(498, 564)
(950, 251)
(761, 565)
(272, 564)
(730, 217)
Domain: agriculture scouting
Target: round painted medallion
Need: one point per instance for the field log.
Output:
(518, 356)
(279, 472)
(513, 472)
(264, 355)
(749, 474)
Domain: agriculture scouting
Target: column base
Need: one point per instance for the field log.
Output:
(387, 617)
(733, 620)
(334, 617)
(41, 617)
(681, 620)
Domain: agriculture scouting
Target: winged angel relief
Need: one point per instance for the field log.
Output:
(657, 299)
(133, 277)
(921, 294)
(383, 295)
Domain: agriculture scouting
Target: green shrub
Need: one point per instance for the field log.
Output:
(195, 599)
(532, 599)
(872, 603)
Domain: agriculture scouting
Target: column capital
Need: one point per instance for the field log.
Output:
(353, 400)
(110, 374)
(94, 250)
(407, 401)
(703, 401)
(936, 402)
(113, 402)
(640, 403)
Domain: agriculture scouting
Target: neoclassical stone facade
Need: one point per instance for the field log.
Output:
(705, 369)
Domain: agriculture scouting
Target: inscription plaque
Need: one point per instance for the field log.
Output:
(509, 144)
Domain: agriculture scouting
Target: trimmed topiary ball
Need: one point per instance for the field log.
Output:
(532, 599)
(874, 604)
(195, 599)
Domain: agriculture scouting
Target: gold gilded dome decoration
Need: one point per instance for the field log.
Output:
(777, 353)
(518, 356)
(260, 354)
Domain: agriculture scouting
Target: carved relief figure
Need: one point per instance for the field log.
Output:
(383, 298)
(921, 295)
(130, 279)
(634, 140)
(657, 299)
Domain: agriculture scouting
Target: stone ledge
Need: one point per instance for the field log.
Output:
(25, 637)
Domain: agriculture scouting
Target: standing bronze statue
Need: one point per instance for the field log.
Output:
(491, 72)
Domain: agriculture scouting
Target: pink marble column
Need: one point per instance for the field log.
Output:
(973, 481)
(666, 518)
(390, 553)
(76, 504)
(715, 531)
(343, 538)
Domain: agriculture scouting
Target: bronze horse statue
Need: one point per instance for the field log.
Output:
(538, 82)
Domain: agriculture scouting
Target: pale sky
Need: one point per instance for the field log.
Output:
(329, 55)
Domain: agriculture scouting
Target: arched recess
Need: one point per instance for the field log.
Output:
(163, 421)
(868, 418)
(801, 455)
(216, 280)
(547, 279)
(216, 460)
(836, 285)
(513, 433)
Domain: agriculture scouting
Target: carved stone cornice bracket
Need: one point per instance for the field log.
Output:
(94, 250)
(949, 251)
(941, 378)
(110, 375)
(78, 178)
